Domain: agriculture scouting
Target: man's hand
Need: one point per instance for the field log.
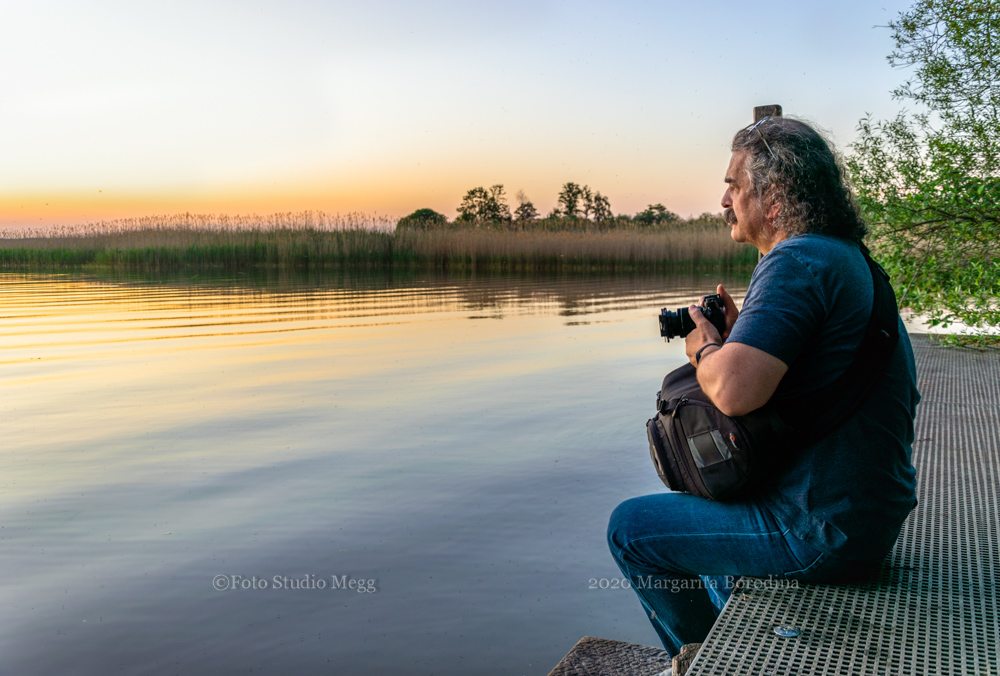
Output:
(737, 378)
(731, 312)
(704, 333)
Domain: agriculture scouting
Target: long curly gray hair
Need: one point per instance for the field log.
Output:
(792, 163)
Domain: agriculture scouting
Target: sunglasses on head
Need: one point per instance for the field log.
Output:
(757, 124)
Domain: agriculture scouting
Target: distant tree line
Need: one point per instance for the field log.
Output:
(578, 207)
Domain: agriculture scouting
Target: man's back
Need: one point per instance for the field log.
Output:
(808, 305)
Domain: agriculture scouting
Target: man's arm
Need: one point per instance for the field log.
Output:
(737, 378)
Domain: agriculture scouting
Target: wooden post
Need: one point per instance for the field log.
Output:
(760, 112)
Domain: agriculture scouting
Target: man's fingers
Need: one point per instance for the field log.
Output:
(698, 317)
(727, 299)
(704, 328)
(731, 312)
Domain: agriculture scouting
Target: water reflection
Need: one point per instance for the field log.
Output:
(460, 440)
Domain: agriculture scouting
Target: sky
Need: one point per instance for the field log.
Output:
(118, 109)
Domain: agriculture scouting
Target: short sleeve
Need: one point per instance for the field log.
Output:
(783, 307)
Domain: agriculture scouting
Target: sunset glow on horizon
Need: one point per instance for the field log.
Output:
(117, 110)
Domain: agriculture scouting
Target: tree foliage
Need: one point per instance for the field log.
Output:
(482, 206)
(597, 206)
(576, 201)
(928, 182)
(526, 211)
(422, 219)
(569, 200)
(579, 208)
(655, 214)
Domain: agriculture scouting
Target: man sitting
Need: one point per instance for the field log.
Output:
(829, 512)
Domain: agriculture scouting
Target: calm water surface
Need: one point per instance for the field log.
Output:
(453, 447)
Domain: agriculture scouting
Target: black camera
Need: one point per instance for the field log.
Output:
(674, 324)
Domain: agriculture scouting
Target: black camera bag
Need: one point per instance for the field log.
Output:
(698, 449)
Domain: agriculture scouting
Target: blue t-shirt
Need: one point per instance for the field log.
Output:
(808, 304)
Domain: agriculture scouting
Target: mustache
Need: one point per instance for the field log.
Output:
(730, 216)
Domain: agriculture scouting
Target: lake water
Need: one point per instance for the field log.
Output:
(430, 461)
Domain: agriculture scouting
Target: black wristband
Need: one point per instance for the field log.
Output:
(697, 355)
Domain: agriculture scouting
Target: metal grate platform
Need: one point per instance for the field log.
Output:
(934, 609)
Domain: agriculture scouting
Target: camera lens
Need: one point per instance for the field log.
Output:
(675, 324)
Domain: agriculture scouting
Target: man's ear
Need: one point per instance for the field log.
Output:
(773, 211)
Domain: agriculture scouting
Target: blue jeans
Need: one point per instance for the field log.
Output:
(683, 555)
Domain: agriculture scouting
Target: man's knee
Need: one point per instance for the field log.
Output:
(619, 525)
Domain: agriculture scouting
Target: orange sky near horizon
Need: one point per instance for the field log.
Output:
(397, 192)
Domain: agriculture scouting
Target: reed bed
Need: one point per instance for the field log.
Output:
(587, 250)
(314, 240)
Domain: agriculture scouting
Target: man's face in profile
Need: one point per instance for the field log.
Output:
(743, 211)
